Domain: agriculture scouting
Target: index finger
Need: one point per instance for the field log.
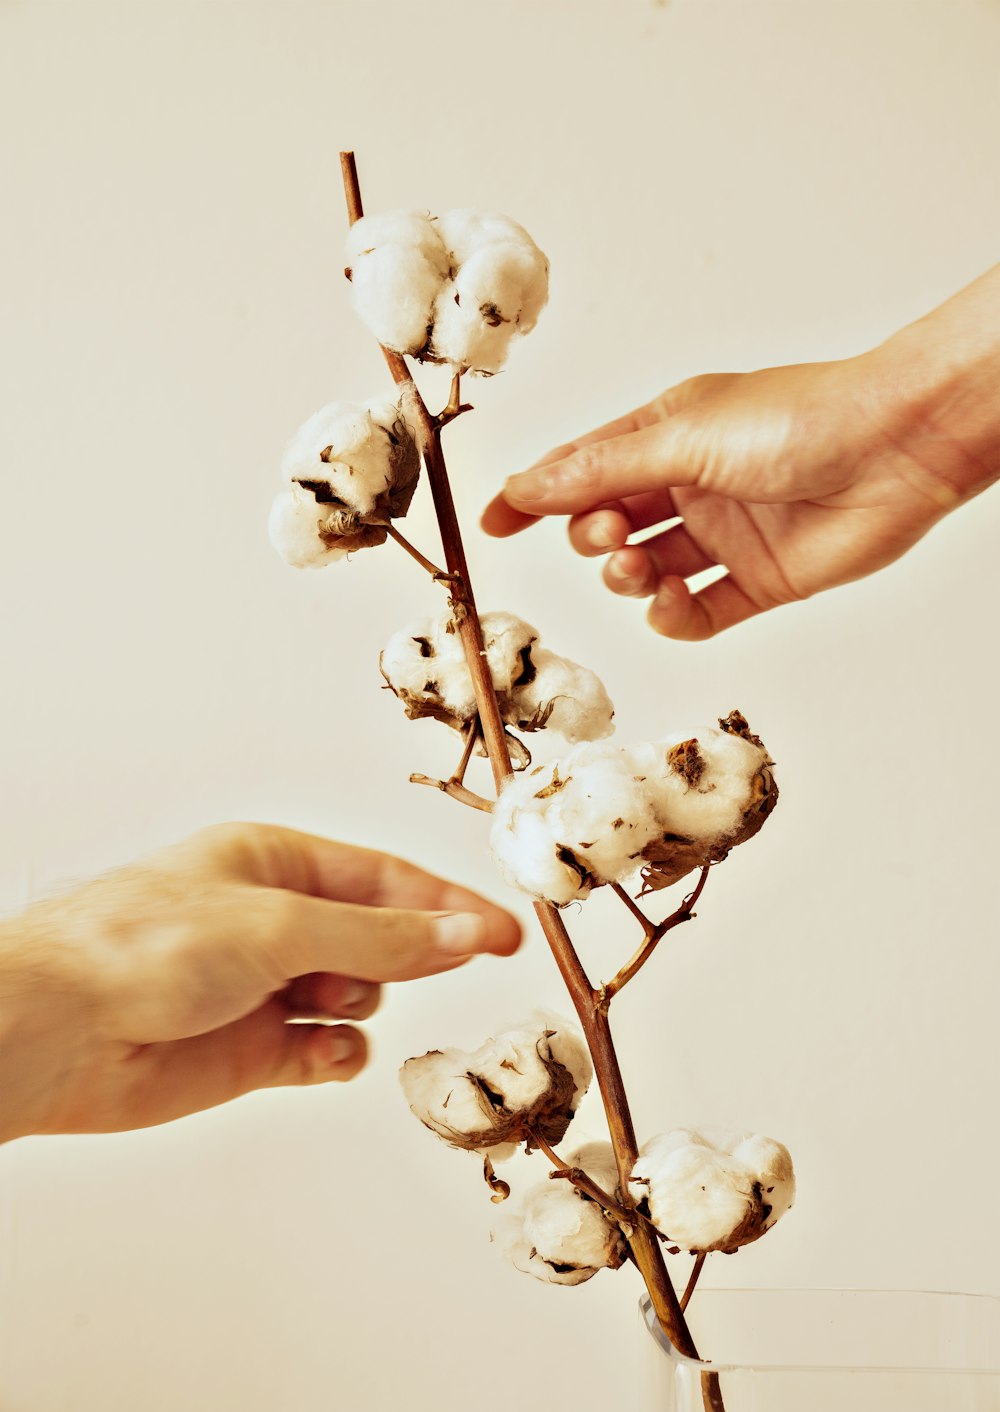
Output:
(501, 518)
(651, 459)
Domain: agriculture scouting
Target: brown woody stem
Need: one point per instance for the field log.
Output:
(455, 406)
(578, 1177)
(471, 736)
(689, 1288)
(415, 553)
(648, 927)
(654, 935)
(455, 790)
(594, 1022)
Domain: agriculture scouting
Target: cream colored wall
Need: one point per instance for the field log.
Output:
(719, 185)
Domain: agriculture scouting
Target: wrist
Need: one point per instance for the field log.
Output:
(938, 380)
(43, 1029)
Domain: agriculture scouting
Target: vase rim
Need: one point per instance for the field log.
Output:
(695, 1364)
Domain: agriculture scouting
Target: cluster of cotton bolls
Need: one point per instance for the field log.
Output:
(525, 1080)
(348, 470)
(425, 666)
(455, 288)
(555, 1232)
(603, 812)
(710, 1190)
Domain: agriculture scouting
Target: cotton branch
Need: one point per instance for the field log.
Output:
(593, 1019)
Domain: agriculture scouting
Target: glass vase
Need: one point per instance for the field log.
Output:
(821, 1350)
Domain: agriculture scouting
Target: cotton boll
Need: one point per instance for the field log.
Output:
(462, 337)
(564, 697)
(710, 793)
(507, 283)
(298, 528)
(495, 261)
(711, 1191)
(527, 854)
(359, 457)
(425, 667)
(463, 230)
(425, 664)
(403, 227)
(506, 640)
(351, 468)
(527, 1079)
(559, 1235)
(602, 813)
(397, 264)
(772, 1164)
(581, 820)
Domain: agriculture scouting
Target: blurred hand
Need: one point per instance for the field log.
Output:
(793, 479)
(167, 987)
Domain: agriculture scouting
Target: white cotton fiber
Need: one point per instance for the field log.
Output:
(583, 819)
(350, 469)
(455, 289)
(397, 264)
(296, 529)
(712, 805)
(424, 664)
(564, 697)
(711, 1190)
(527, 1078)
(557, 1234)
(602, 812)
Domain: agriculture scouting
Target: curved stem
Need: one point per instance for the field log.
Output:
(689, 1288)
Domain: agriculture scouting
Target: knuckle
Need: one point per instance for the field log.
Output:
(584, 472)
(227, 842)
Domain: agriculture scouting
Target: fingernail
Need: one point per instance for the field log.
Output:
(529, 485)
(339, 1046)
(356, 993)
(460, 934)
(617, 572)
(599, 538)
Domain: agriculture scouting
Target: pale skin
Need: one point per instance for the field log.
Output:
(793, 479)
(167, 987)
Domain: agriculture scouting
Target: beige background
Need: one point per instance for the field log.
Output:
(719, 185)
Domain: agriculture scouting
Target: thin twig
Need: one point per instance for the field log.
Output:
(582, 1182)
(631, 969)
(648, 927)
(455, 406)
(455, 790)
(595, 1024)
(414, 553)
(699, 1265)
(471, 736)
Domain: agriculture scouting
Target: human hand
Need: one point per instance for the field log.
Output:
(166, 988)
(794, 479)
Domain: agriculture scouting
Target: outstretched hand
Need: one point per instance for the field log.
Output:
(791, 479)
(167, 987)
(788, 477)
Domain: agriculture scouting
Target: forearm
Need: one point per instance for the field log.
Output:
(945, 369)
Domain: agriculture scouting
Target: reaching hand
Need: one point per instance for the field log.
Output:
(167, 987)
(793, 479)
